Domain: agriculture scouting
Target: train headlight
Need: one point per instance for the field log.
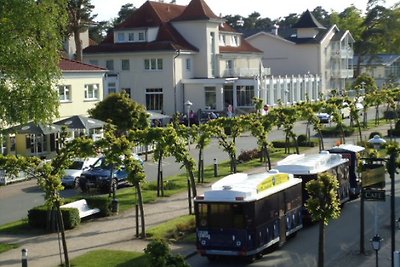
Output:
(238, 243)
(203, 242)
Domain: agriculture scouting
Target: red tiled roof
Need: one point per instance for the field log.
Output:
(225, 27)
(68, 65)
(244, 47)
(158, 14)
(197, 10)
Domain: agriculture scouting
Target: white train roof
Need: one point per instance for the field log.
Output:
(248, 187)
(311, 163)
(349, 147)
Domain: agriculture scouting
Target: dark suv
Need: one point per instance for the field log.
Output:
(98, 176)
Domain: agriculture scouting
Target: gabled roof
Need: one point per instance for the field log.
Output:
(307, 20)
(162, 15)
(68, 65)
(197, 10)
(150, 14)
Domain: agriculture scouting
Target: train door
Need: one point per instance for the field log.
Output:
(282, 218)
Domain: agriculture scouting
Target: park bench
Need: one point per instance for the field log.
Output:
(83, 208)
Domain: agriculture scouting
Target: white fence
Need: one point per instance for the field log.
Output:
(8, 179)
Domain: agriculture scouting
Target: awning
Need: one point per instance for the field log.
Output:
(81, 122)
(33, 128)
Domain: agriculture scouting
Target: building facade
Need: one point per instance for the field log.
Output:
(166, 54)
(309, 49)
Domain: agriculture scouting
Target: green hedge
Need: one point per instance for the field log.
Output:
(38, 217)
(335, 131)
(101, 202)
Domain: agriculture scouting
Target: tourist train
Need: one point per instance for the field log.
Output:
(245, 214)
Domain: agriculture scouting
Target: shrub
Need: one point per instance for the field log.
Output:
(249, 155)
(160, 255)
(302, 138)
(335, 131)
(282, 144)
(38, 218)
(102, 203)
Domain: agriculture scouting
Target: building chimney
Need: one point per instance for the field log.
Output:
(275, 29)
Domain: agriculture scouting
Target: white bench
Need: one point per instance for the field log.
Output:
(83, 208)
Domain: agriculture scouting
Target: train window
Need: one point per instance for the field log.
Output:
(224, 215)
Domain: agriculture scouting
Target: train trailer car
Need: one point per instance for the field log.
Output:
(308, 167)
(351, 152)
(244, 214)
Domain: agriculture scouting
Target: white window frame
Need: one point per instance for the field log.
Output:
(120, 37)
(64, 92)
(131, 37)
(127, 66)
(91, 91)
(110, 64)
(153, 64)
(141, 36)
(188, 64)
(111, 87)
(154, 99)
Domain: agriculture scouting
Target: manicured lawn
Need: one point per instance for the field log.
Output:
(100, 258)
(5, 247)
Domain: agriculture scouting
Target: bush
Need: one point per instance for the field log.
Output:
(335, 131)
(302, 138)
(282, 144)
(160, 255)
(249, 155)
(103, 203)
(38, 218)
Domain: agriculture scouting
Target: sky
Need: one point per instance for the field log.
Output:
(107, 10)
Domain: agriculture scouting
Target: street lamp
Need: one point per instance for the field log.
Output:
(377, 141)
(376, 245)
(188, 105)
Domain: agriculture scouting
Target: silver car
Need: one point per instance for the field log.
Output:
(74, 171)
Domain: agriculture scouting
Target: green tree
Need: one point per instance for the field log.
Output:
(124, 13)
(323, 204)
(79, 13)
(233, 126)
(202, 135)
(121, 111)
(160, 255)
(31, 37)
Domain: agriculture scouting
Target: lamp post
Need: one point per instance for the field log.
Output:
(376, 245)
(188, 105)
(377, 141)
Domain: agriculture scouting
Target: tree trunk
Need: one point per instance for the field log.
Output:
(159, 174)
(61, 228)
(321, 139)
(140, 202)
(268, 157)
(191, 177)
(78, 44)
(377, 115)
(321, 244)
(200, 167)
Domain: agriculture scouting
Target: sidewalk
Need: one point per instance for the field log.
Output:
(118, 232)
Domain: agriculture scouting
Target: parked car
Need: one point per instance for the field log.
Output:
(74, 171)
(324, 117)
(98, 176)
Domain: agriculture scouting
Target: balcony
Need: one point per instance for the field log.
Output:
(240, 72)
(342, 74)
(342, 53)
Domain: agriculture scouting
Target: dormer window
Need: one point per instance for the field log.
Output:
(222, 40)
(141, 36)
(235, 41)
(121, 37)
(131, 37)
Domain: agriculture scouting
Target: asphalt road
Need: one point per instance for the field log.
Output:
(17, 199)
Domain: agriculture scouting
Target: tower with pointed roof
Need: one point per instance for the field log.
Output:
(165, 54)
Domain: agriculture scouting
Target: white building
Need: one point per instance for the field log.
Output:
(309, 49)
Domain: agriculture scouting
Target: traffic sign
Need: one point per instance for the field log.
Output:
(374, 194)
